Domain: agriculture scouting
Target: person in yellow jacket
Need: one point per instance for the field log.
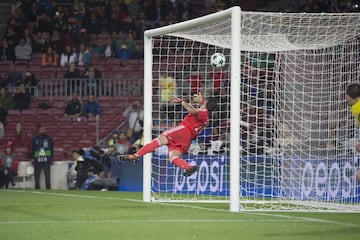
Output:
(353, 98)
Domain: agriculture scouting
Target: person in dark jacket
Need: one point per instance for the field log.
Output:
(22, 98)
(42, 152)
(73, 108)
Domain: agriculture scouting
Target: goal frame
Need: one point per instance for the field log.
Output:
(235, 14)
(235, 43)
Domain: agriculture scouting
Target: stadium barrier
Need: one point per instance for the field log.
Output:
(124, 86)
(58, 179)
(317, 179)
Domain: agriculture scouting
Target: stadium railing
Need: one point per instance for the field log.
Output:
(125, 86)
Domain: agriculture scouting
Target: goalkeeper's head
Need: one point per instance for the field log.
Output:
(211, 104)
(353, 93)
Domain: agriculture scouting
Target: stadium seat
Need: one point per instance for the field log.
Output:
(60, 73)
(48, 74)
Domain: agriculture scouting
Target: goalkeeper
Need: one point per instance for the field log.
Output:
(353, 98)
(178, 139)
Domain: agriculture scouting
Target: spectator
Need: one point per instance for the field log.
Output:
(115, 42)
(12, 37)
(139, 51)
(128, 25)
(93, 24)
(168, 88)
(135, 116)
(185, 10)
(20, 138)
(218, 76)
(157, 11)
(55, 42)
(42, 152)
(130, 43)
(123, 145)
(113, 24)
(108, 50)
(22, 98)
(92, 176)
(139, 143)
(81, 166)
(29, 39)
(6, 51)
(30, 82)
(3, 173)
(91, 107)
(49, 58)
(40, 44)
(204, 139)
(68, 36)
(112, 165)
(84, 57)
(83, 38)
(13, 78)
(114, 138)
(73, 108)
(124, 53)
(94, 157)
(2, 130)
(73, 76)
(6, 100)
(11, 164)
(30, 11)
(92, 76)
(23, 51)
(44, 23)
(3, 115)
(106, 161)
(140, 26)
(79, 9)
(67, 57)
(195, 80)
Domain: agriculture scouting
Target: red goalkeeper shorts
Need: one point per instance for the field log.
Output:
(179, 138)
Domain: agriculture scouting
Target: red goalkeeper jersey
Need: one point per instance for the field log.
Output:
(196, 123)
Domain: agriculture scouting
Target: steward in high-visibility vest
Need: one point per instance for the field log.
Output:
(42, 151)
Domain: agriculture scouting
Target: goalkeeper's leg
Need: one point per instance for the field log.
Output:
(147, 148)
(175, 159)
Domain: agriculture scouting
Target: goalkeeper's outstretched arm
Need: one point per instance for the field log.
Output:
(186, 105)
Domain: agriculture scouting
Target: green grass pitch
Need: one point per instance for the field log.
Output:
(118, 215)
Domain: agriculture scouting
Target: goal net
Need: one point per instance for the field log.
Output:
(282, 137)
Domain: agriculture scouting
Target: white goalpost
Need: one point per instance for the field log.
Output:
(282, 137)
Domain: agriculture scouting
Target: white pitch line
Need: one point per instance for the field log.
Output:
(154, 221)
(319, 220)
(288, 217)
(305, 219)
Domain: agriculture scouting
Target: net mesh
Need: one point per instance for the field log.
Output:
(297, 137)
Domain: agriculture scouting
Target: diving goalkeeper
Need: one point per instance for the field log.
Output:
(353, 98)
(179, 138)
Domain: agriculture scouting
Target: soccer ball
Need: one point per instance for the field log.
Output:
(217, 60)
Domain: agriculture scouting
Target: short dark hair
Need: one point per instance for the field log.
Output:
(211, 104)
(353, 90)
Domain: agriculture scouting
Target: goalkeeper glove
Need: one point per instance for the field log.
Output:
(199, 98)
